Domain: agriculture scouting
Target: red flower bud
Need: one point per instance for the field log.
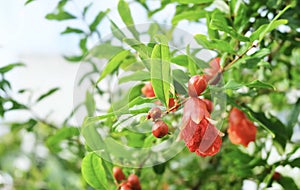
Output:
(134, 182)
(148, 91)
(173, 104)
(197, 84)
(160, 129)
(118, 174)
(125, 186)
(241, 130)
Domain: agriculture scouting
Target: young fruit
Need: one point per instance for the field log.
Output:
(160, 129)
(197, 84)
(148, 91)
(154, 113)
(134, 182)
(118, 174)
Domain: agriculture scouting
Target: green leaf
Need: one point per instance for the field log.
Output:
(161, 72)
(260, 33)
(293, 118)
(69, 30)
(62, 134)
(295, 163)
(213, 44)
(192, 1)
(90, 103)
(259, 84)
(113, 64)
(51, 91)
(116, 31)
(159, 169)
(189, 15)
(93, 171)
(219, 22)
(180, 80)
(180, 60)
(287, 183)
(98, 19)
(125, 14)
(74, 58)
(136, 76)
(123, 106)
(233, 85)
(61, 15)
(105, 51)
(10, 67)
(143, 50)
(29, 1)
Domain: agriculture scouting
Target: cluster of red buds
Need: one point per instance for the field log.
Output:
(131, 183)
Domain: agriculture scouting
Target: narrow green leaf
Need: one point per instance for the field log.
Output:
(98, 19)
(259, 84)
(214, 44)
(61, 15)
(125, 14)
(74, 58)
(53, 142)
(233, 85)
(136, 76)
(51, 91)
(293, 118)
(113, 64)
(105, 51)
(143, 50)
(69, 30)
(29, 1)
(161, 72)
(90, 103)
(10, 67)
(180, 80)
(192, 1)
(93, 171)
(219, 22)
(260, 33)
(189, 15)
(116, 31)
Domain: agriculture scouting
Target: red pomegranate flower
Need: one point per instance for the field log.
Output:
(198, 133)
(241, 130)
(212, 74)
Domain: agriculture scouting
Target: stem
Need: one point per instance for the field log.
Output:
(238, 57)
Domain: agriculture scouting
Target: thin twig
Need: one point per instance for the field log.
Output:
(238, 57)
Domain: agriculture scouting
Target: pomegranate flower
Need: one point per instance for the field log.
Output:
(198, 133)
(212, 74)
(241, 130)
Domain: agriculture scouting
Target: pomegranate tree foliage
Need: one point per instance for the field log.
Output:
(259, 50)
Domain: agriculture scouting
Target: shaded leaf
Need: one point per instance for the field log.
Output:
(105, 51)
(90, 103)
(125, 14)
(189, 15)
